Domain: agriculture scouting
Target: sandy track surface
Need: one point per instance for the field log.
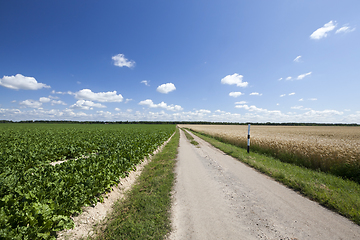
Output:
(218, 197)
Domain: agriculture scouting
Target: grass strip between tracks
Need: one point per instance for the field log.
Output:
(190, 138)
(335, 193)
(144, 213)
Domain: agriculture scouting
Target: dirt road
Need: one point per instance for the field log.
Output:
(218, 197)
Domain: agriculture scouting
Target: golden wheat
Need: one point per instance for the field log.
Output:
(318, 146)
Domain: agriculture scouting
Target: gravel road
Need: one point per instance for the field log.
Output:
(218, 197)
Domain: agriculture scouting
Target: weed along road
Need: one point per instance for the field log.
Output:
(218, 197)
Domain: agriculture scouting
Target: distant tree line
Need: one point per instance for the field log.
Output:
(181, 122)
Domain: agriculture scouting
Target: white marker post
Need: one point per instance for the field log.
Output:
(248, 145)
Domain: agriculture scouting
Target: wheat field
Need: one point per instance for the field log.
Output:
(333, 149)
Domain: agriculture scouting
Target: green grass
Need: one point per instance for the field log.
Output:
(190, 138)
(145, 211)
(335, 193)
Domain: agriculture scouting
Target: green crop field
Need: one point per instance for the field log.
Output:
(37, 198)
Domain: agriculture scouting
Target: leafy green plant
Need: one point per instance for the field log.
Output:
(37, 199)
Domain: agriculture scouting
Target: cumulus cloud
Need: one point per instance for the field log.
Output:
(290, 94)
(255, 94)
(345, 29)
(44, 100)
(280, 79)
(282, 95)
(205, 111)
(288, 78)
(234, 79)
(253, 108)
(151, 104)
(121, 61)
(235, 94)
(128, 100)
(322, 32)
(87, 94)
(63, 93)
(57, 102)
(312, 99)
(21, 82)
(166, 88)
(241, 102)
(86, 105)
(146, 82)
(31, 103)
(297, 59)
(301, 76)
(252, 114)
(300, 108)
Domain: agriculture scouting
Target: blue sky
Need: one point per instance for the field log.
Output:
(237, 61)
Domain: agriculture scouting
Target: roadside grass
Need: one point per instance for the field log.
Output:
(144, 213)
(190, 138)
(333, 192)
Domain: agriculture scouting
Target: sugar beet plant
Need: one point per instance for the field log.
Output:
(36, 198)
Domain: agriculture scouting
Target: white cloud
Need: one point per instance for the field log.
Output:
(312, 99)
(31, 103)
(63, 93)
(57, 102)
(301, 100)
(150, 103)
(324, 115)
(235, 94)
(146, 82)
(86, 105)
(252, 114)
(166, 88)
(117, 109)
(322, 32)
(121, 61)
(219, 111)
(297, 59)
(253, 108)
(282, 95)
(87, 94)
(21, 82)
(290, 94)
(241, 102)
(44, 100)
(300, 108)
(234, 79)
(205, 111)
(345, 29)
(297, 107)
(255, 94)
(303, 75)
(53, 97)
(288, 78)
(128, 100)
(280, 79)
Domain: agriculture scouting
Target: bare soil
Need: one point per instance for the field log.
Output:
(218, 197)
